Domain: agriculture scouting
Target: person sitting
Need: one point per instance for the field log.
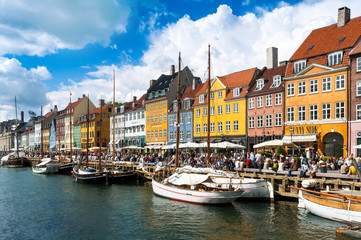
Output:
(293, 167)
(343, 169)
(352, 170)
(304, 169)
(313, 169)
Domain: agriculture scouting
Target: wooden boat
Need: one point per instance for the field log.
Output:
(15, 160)
(193, 188)
(46, 166)
(65, 168)
(341, 205)
(119, 176)
(90, 175)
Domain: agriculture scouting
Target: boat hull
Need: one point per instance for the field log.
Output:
(65, 169)
(16, 163)
(194, 196)
(48, 169)
(96, 177)
(120, 177)
(334, 209)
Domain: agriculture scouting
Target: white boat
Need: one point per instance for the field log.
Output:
(343, 205)
(193, 188)
(46, 166)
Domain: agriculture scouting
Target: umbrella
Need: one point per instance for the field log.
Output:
(226, 144)
(94, 148)
(172, 146)
(132, 147)
(357, 146)
(275, 143)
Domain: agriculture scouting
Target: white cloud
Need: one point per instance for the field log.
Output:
(26, 85)
(40, 27)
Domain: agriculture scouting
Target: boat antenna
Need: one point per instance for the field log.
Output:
(178, 112)
(100, 134)
(71, 130)
(209, 106)
(16, 129)
(113, 114)
(41, 131)
(87, 133)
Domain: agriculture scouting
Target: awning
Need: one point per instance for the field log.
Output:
(300, 138)
(111, 142)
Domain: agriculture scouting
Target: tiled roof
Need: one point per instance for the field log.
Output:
(48, 114)
(267, 75)
(357, 49)
(191, 93)
(74, 104)
(329, 39)
(97, 110)
(137, 104)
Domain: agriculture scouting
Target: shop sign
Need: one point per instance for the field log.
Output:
(308, 129)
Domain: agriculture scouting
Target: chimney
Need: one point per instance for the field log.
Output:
(194, 83)
(343, 17)
(22, 116)
(83, 95)
(101, 102)
(151, 82)
(55, 108)
(134, 98)
(172, 71)
(283, 63)
(272, 57)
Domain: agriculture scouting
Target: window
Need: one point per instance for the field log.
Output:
(148, 106)
(314, 86)
(236, 92)
(160, 104)
(301, 113)
(181, 135)
(151, 106)
(189, 136)
(160, 117)
(358, 111)
(212, 110)
(148, 132)
(260, 121)
(299, 66)
(313, 112)
(198, 112)
(175, 106)
(251, 122)
(165, 117)
(220, 109)
(220, 126)
(276, 81)
(165, 132)
(259, 101)
(198, 128)
(186, 104)
(152, 119)
(204, 127)
(358, 64)
(251, 103)
(171, 121)
(358, 88)
(290, 89)
(181, 119)
(278, 119)
(212, 127)
(340, 82)
(228, 108)
(220, 94)
(326, 84)
(235, 125)
(260, 84)
(156, 118)
(189, 119)
(152, 134)
(339, 109)
(156, 133)
(228, 126)
(301, 88)
(171, 135)
(212, 95)
(269, 100)
(290, 114)
(160, 133)
(205, 111)
(235, 107)
(268, 120)
(326, 111)
(334, 58)
(148, 119)
(201, 98)
(278, 98)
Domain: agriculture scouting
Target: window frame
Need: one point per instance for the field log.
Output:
(290, 114)
(299, 88)
(331, 60)
(326, 111)
(358, 87)
(358, 64)
(340, 110)
(313, 112)
(260, 102)
(298, 66)
(251, 123)
(290, 86)
(301, 112)
(278, 96)
(269, 120)
(313, 83)
(251, 103)
(278, 117)
(341, 80)
(260, 120)
(269, 100)
(329, 82)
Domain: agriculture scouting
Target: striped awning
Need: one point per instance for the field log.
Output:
(300, 138)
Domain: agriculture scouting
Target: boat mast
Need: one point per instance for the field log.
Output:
(113, 114)
(178, 112)
(87, 133)
(100, 134)
(209, 106)
(71, 130)
(41, 131)
(16, 129)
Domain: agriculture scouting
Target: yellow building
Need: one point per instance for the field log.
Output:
(156, 121)
(227, 108)
(99, 128)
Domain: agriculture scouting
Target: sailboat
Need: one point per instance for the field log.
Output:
(189, 184)
(15, 159)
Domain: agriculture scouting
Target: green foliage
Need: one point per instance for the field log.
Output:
(280, 151)
(267, 154)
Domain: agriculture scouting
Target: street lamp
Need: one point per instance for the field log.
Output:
(291, 132)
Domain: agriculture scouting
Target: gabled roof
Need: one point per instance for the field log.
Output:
(191, 93)
(137, 104)
(48, 114)
(329, 39)
(356, 50)
(74, 104)
(267, 75)
(97, 110)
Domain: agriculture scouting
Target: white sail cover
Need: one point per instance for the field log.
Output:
(44, 162)
(187, 179)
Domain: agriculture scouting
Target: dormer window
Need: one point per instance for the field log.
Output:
(186, 104)
(260, 84)
(201, 98)
(276, 81)
(175, 106)
(335, 58)
(299, 66)
(236, 92)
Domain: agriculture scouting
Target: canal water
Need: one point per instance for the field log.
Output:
(56, 207)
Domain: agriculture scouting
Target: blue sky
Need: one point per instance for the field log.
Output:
(49, 48)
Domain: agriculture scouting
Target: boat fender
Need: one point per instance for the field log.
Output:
(309, 183)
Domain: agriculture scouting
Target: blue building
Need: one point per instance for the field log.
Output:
(186, 115)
